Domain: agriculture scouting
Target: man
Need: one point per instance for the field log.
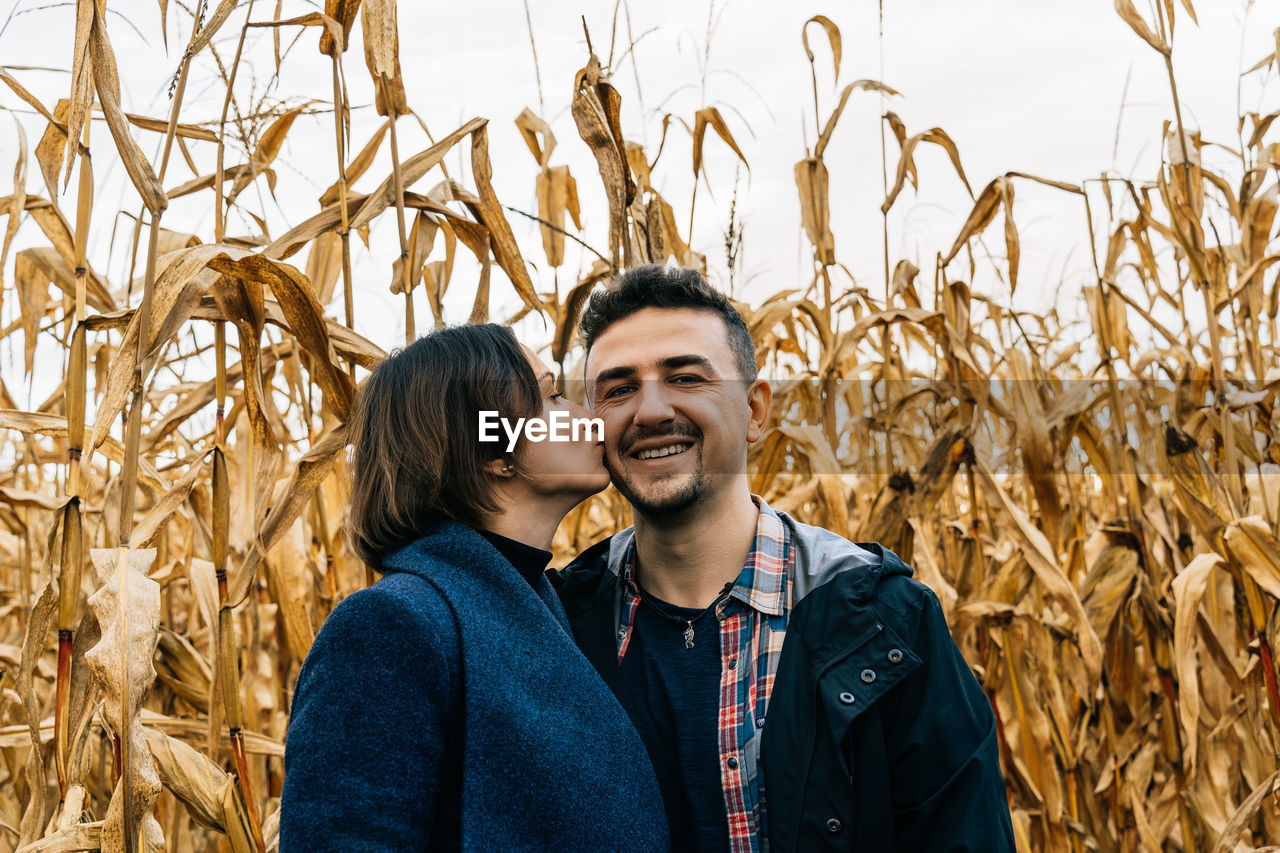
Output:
(796, 692)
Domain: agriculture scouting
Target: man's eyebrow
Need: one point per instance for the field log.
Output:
(615, 373)
(677, 361)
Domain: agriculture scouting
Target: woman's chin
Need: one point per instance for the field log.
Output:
(586, 485)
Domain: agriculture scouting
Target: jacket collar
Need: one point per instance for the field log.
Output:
(463, 564)
(816, 555)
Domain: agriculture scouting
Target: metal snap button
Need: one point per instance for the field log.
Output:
(868, 675)
(895, 655)
(834, 826)
(846, 698)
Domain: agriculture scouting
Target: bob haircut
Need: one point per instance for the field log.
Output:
(417, 457)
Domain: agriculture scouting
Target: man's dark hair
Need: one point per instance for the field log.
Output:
(655, 286)
(417, 456)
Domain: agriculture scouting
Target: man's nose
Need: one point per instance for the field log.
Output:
(653, 404)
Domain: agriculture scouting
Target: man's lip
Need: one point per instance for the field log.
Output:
(657, 444)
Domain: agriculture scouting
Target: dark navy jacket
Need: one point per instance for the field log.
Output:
(877, 738)
(446, 708)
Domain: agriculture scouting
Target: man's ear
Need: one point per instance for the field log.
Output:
(500, 468)
(759, 399)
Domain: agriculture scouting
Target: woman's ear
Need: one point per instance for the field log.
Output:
(503, 469)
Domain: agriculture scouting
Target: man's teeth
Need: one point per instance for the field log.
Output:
(669, 450)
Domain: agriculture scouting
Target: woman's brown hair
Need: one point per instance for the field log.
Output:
(417, 457)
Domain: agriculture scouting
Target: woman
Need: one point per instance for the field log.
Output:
(446, 707)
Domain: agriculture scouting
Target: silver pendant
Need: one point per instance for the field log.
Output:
(688, 635)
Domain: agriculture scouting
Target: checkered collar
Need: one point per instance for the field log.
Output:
(763, 581)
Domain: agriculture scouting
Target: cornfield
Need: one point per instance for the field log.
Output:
(1097, 506)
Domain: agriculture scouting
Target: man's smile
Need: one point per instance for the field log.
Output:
(661, 452)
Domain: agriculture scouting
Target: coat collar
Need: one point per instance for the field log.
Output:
(465, 565)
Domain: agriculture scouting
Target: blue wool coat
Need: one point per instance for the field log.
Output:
(447, 708)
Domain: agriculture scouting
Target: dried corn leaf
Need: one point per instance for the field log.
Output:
(503, 242)
(32, 285)
(1231, 833)
(72, 839)
(829, 128)
(833, 37)
(344, 12)
(191, 777)
(56, 268)
(815, 209)
(984, 210)
(1255, 549)
(161, 125)
(384, 196)
(1131, 17)
(292, 588)
(907, 165)
(158, 516)
(181, 283)
(1188, 590)
(127, 606)
(264, 153)
(304, 316)
(107, 82)
(710, 117)
(382, 55)
(52, 145)
(34, 644)
(591, 115)
(358, 165)
(82, 71)
(17, 201)
(531, 127)
(567, 322)
(311, 470)
(1199, 491)
(1039, 555)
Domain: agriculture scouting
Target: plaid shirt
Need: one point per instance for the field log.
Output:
(753, 623)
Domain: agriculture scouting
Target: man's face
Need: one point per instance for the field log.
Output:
(677, 414)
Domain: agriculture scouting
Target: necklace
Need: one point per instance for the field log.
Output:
(661, 609)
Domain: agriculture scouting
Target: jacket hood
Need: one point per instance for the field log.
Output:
(821, 555)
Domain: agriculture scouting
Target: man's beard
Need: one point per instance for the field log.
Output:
(694, 490)
(670, 506)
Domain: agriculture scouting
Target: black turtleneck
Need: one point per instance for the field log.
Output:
(529, 561)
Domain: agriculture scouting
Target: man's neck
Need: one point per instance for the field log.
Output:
(687, 561)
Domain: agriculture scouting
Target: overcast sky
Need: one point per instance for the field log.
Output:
(1030, 86)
